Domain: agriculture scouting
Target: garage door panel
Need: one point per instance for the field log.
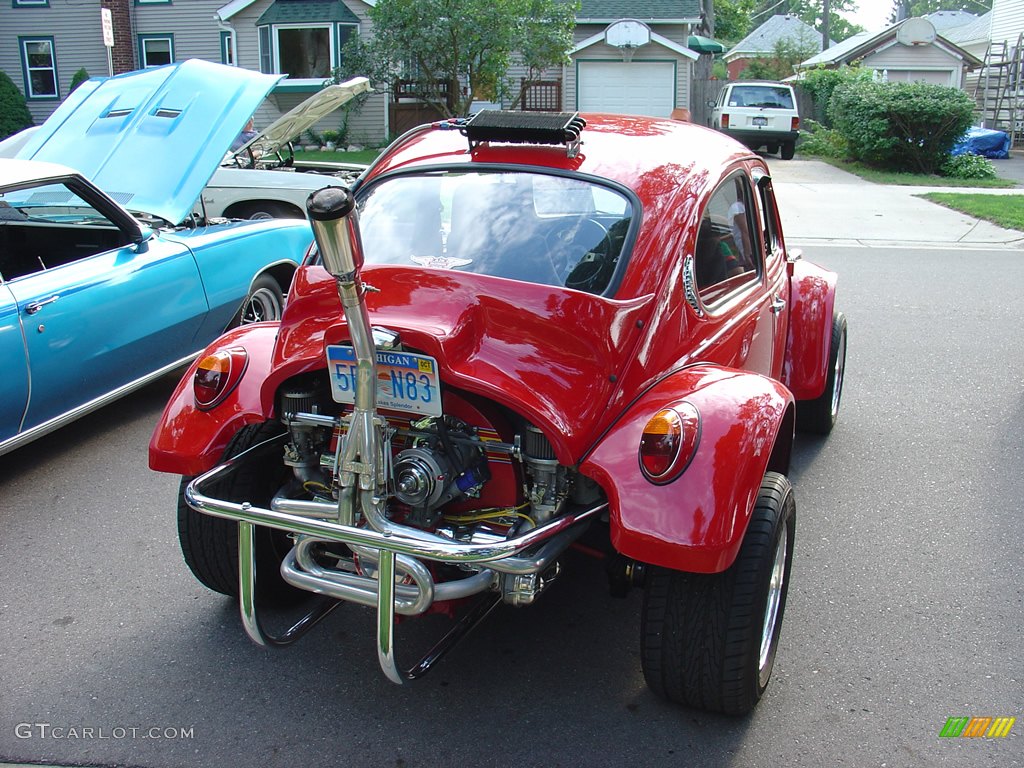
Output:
(634, 88)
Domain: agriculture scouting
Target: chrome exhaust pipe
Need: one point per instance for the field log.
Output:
(332, 212)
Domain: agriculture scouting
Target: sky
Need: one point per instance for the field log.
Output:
(871, 14)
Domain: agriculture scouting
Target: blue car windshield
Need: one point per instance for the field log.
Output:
(53, 203)
(532, 227)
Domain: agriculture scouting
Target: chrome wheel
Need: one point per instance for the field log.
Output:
(776, 589)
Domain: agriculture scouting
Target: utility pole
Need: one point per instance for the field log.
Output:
(825, 14)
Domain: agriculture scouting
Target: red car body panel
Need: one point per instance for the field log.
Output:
(697, 522)
(810, 329)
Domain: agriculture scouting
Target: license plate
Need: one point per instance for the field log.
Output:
(405, 381)
(760, 121)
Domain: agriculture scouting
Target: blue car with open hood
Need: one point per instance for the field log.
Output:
(108, 277)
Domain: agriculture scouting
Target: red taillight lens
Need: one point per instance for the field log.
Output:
(217, 376)
(668, 442)
(725, 121)
(795, 125)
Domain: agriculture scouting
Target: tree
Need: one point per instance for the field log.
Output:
(14, 114)
(810, 12)
(732, 19)
(455, 51)
(782, 63)
(905, 9)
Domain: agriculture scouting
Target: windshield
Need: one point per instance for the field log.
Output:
(770, 96)
(551, 230)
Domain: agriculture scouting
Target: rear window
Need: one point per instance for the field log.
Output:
(769, 96)
(552, 230)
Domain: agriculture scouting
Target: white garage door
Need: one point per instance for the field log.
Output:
(636, 88)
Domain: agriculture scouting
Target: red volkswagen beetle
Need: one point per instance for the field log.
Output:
(518, 334)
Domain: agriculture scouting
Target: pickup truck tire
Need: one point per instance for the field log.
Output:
(708, 641)
(819, 415)
(210, 544)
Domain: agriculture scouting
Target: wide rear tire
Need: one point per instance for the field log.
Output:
(709, 640)
(210, 544)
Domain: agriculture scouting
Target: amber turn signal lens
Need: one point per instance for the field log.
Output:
(217, 376)
(668, 442)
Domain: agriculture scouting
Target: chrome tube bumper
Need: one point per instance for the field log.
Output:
(397, 550)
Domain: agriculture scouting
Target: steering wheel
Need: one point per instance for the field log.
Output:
(563, 246)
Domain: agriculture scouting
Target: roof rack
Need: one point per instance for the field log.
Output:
(557, 128)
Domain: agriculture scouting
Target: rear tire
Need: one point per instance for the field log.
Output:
(819, 415)
(709, 640)
(788, 150)
(210, 544)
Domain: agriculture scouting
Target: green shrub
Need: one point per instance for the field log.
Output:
(78, 78)
(14, 114)
(900, 126)
(968, 167)
(818, 141)
(820, 83)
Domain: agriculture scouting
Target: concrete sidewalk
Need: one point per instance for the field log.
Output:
(821, 204)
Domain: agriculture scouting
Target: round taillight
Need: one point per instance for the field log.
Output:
(668, 442)
(217, 376)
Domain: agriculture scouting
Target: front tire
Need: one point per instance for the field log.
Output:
(709, 640)
(210, 544)
(819, 415)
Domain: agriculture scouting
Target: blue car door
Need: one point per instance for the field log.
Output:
(101, 322)
(14, 381)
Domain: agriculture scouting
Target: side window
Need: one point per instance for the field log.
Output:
(727, 253)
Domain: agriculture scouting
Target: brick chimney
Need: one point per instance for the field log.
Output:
(123, 52)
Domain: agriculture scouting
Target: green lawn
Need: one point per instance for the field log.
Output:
(913, 179)
(1004, 210)
(366, 156)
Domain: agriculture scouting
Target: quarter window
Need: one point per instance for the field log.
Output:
(727, 255)
(156, 50)
(39, 64)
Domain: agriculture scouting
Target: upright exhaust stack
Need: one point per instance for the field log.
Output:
(332, 211)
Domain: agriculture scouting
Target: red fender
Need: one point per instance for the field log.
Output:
(811, 303)
(697, 522)
(188, 441)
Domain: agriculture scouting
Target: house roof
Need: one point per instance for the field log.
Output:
(866, 43)
(651, 11)
(943, 20)
(285, 11)
(225, 12)
(976, 31)
(779, 28)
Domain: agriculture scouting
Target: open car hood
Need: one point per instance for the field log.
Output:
(152, 139)
(303, 117)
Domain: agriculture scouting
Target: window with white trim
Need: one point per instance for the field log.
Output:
(156, 50)
(29, 3)
(39, 65)
(227, 49)
(303, 51)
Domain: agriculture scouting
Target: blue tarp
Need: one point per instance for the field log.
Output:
(994, 145)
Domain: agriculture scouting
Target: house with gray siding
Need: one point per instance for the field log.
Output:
(910, 51)
(629, 56)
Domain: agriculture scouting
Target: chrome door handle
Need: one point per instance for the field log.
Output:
(777, 305)
(35, 306)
